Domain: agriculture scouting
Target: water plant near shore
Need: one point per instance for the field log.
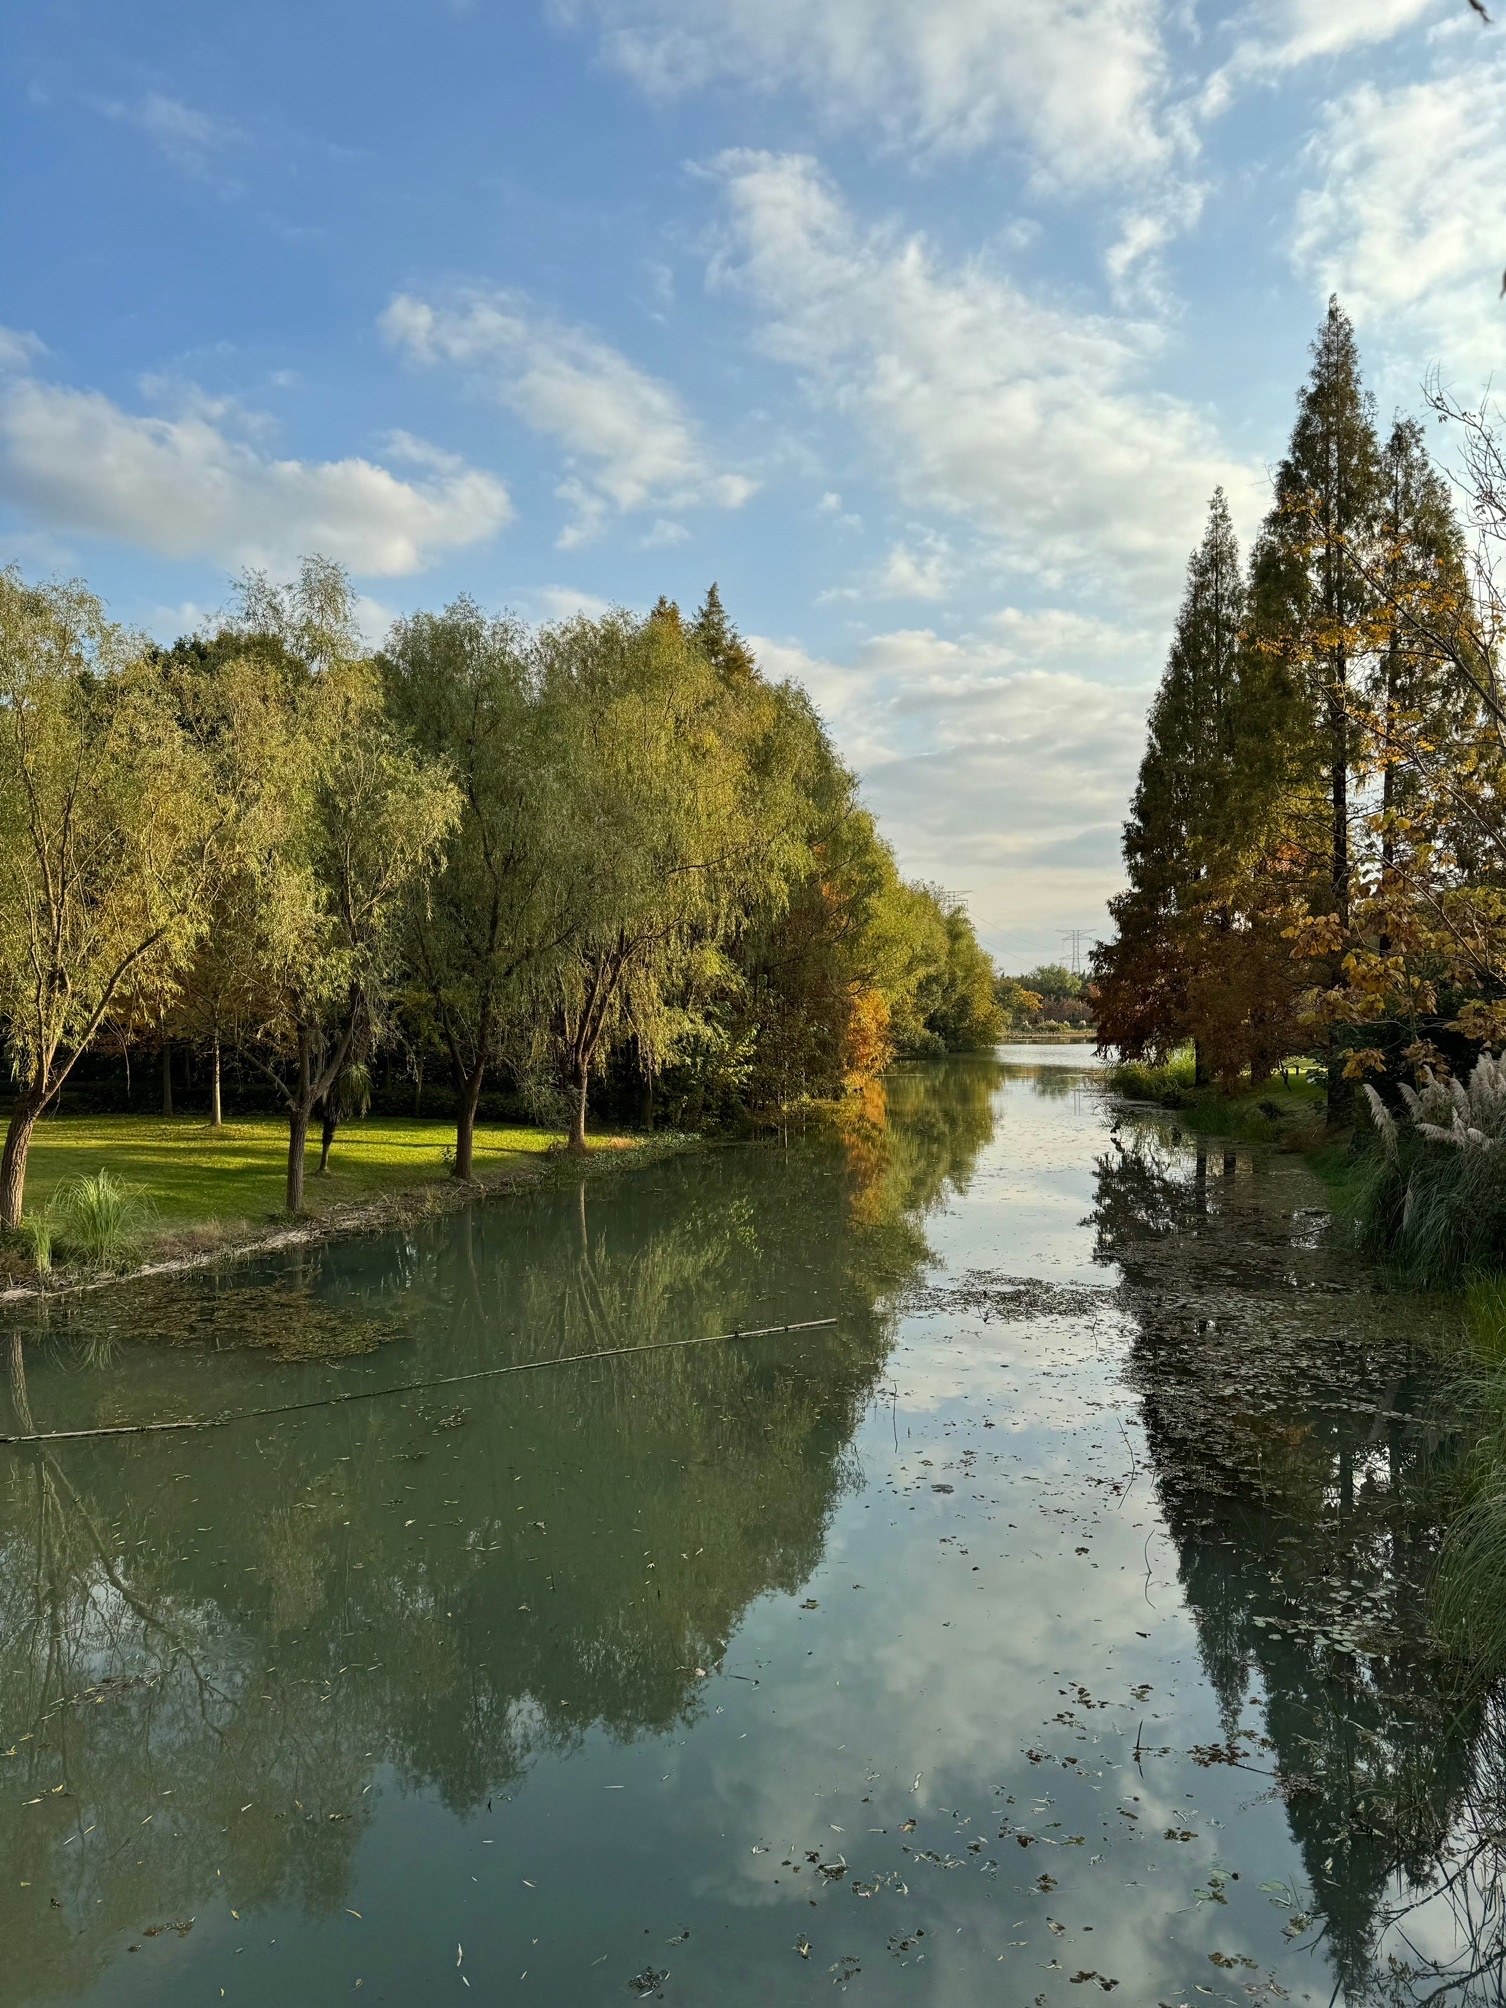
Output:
(1432, 1195)
(1469, 1603)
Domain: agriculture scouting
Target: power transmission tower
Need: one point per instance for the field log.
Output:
(1073, 936)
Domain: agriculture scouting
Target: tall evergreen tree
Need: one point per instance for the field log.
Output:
(720, 642)
(1193, 797)
(1420, 576)
(1313, 605)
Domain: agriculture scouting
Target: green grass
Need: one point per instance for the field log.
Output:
(1283, 1109)
(195, 1176)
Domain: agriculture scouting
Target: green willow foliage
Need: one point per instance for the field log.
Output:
(605, 850)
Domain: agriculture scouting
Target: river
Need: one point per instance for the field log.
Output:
(1054, 1623)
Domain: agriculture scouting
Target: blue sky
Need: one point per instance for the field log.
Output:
(926, 327)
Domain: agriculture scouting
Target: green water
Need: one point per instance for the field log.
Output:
(1053, 1624)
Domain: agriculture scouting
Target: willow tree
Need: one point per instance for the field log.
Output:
(461, 689)
(108, 840)
(342, 821)
(678, 823)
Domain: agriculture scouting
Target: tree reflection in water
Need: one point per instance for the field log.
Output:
(217, 1650)
(1298, 1429)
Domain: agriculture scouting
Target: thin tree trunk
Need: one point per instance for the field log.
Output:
(465, 1120)
(645, 1090)
(20, 1400)
(418, 1085)
(1340, 1092)
(298, 1137)
(216, 1107)
(578, 1114)
(298, 1124)
(329, 1122)
(1339, 733)
(23, 1121)
(167, 1077)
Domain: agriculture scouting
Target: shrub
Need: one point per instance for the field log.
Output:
(100, 1220)
(1433, 1197)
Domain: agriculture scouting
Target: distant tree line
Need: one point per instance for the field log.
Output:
(1316, 850)
(532, 855)
(1049, 997)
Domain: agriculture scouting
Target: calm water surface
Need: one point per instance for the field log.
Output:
(1054, 1624)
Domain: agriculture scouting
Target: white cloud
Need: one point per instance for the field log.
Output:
(1276, 36)
(196, 485)
(631, 443)
(1001, 762)
(563, 603)
(187, 137)
(1029, 422)
(911, 575)
(665, 535)
(1080, 83)
(1407, 219)
(17, 349)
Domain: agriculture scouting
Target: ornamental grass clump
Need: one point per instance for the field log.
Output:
(100, 1221)
(39, 1230)
(1433, 1197)
(1469, 1595)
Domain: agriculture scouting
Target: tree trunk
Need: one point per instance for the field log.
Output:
(465, 1120)
(1199, 1065)
(329, 1122)
(167, 1077)
(23, 1121)
(578, 1114)
(1340, 1093)
(418, 1086)
(1338, 725)
(20, 1400)
(298, 1136)
(216, 1108)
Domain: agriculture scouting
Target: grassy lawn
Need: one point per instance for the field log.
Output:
(193, 1174)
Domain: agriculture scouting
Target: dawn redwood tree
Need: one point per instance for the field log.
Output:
(1313, 604)
(1418, 574)
(109, 840)
(1191, 936)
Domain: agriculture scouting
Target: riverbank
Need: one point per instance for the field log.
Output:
(1030, 1035)
(210, 1195)
(1287, 1109)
